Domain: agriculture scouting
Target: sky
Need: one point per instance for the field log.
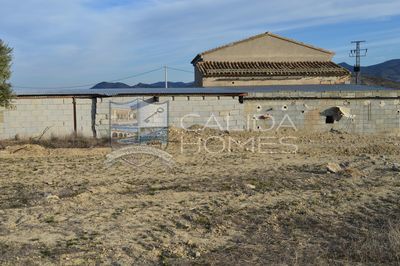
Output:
(82, 42)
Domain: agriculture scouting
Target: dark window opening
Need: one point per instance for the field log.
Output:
(329, 120)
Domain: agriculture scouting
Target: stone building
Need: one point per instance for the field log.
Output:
(267, 59)
(271, 81)
(123, 115)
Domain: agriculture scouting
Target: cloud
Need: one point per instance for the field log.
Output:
(79, 41)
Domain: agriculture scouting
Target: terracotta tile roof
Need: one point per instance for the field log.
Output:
(271, 69)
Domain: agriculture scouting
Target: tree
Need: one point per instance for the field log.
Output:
(5, 74)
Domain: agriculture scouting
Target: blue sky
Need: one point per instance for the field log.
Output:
(67, 43)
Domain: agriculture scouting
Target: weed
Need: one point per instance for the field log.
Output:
(49, 219)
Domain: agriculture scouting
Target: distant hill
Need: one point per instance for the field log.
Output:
(110, 85)
(389, 70)
(160, 84)
(385, 74)
(374, 81)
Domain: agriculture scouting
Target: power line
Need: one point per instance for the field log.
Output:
(114, 80)
(137, 75)
(358, 53)
(91, 84)
(182, 70)
(172, 68)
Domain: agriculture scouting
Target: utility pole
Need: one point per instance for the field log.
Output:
(358, 53)
(166, 76)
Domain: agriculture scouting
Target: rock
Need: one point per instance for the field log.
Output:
(250, 186)
(52, 198)
(197, 254)
(182, 225)
(336, 131)
(344, 164)
(396, 167)
(352, 172)
(27, 148)
(333, 168)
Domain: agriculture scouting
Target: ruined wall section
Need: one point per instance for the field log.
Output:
(369, 111)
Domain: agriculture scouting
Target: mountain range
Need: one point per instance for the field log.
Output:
(384, 74)
(389, 70)
(160, 84)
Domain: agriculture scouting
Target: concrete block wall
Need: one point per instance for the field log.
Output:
(372, 112)
(377, 114)
(210, 111)
(30, 117)
(102, 123)
(84, 117)
(223, 112)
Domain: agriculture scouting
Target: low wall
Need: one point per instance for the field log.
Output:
(369, 111)
(183, 111)
(30, 117)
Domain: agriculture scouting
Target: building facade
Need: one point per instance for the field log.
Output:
(267, 59)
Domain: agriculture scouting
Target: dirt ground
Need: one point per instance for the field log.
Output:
(243, 206)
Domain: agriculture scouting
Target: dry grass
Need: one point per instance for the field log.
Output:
(394, 239)
(54, 142)
(236, 208)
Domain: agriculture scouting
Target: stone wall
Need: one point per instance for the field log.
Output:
(247, 82)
